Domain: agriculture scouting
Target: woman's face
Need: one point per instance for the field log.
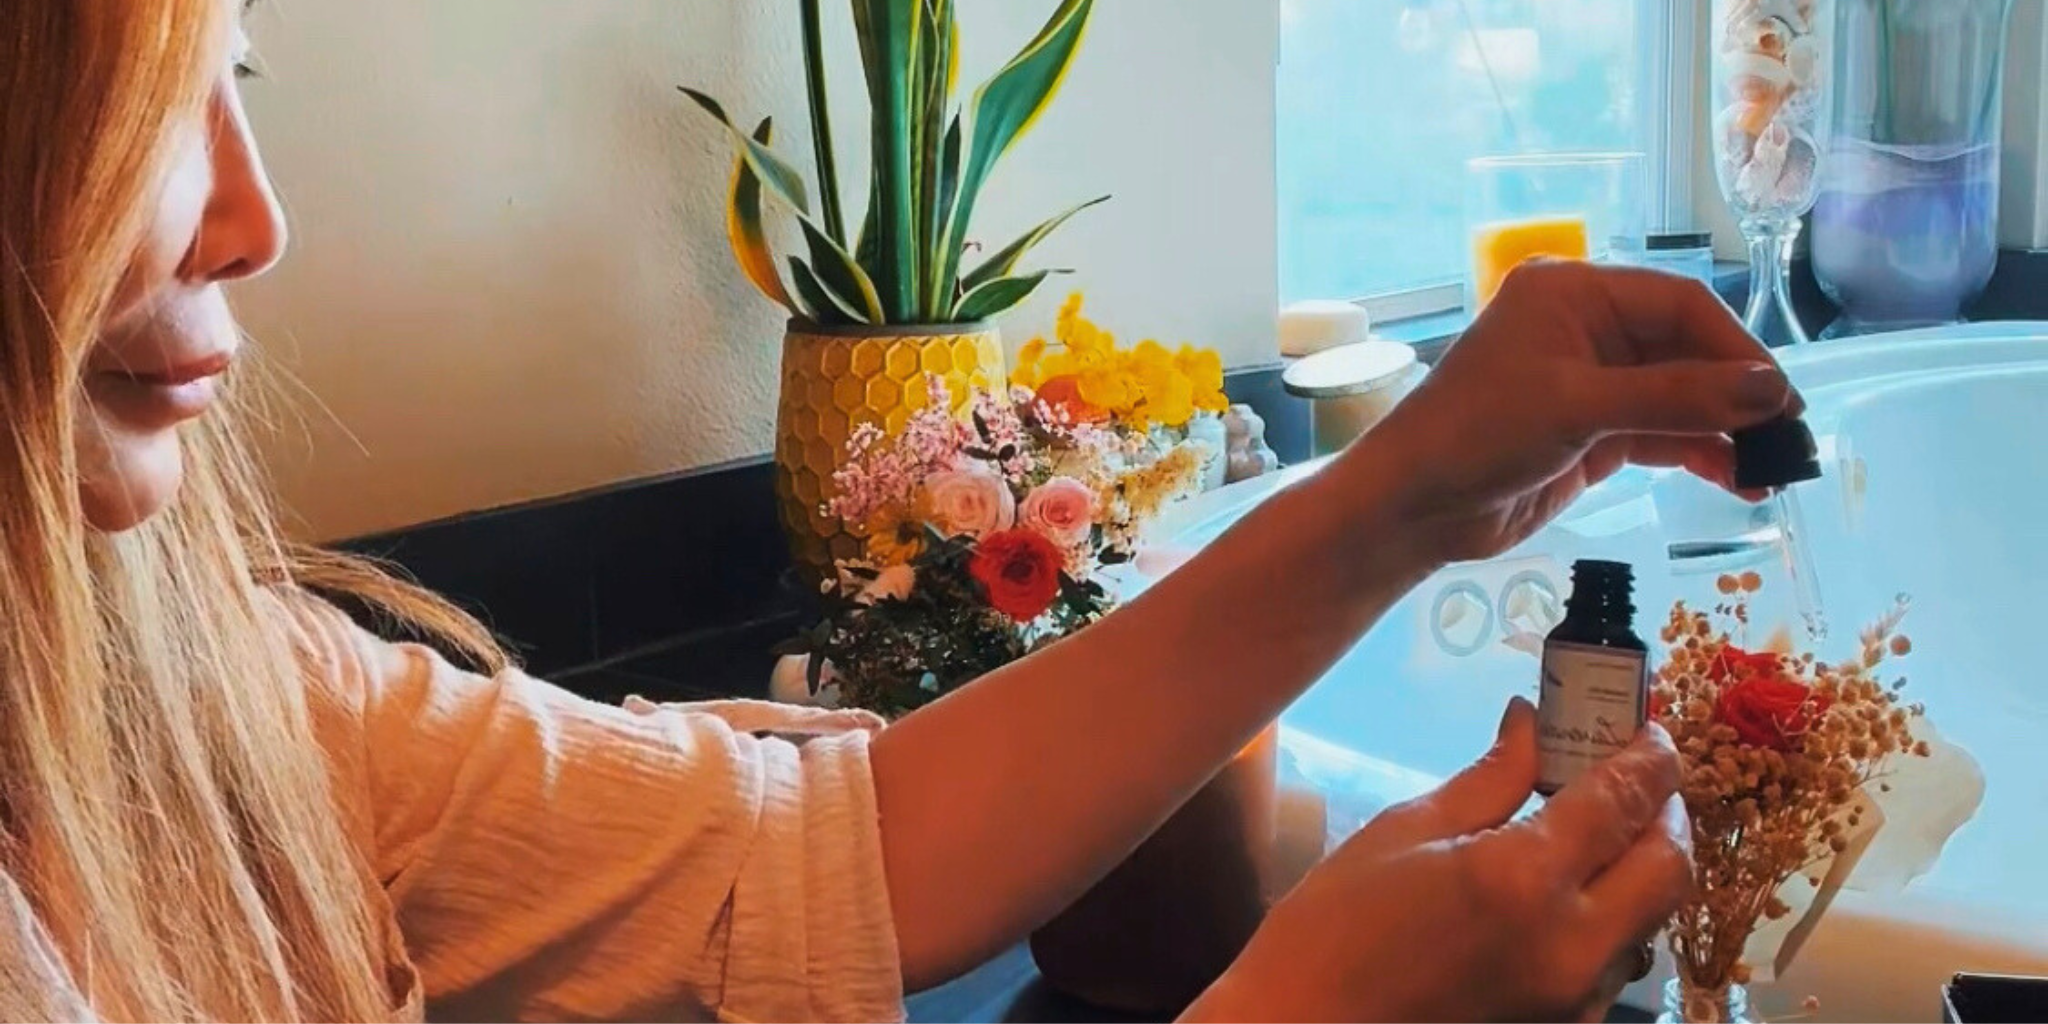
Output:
(169, 339)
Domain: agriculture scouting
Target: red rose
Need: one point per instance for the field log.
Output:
(1767, 709)
(1738, 664)
(1065, 393)
(1020, 570)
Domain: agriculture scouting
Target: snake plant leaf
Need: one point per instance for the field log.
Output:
(826, 308)
(999, 295)
(1003, 109)
(780, 177)
(890, 36)
(745, 228)
(936, 55)
(821, 121)
(836, 269)
(867, 248)
(940, 285)
(1005, 260)
(833, 265)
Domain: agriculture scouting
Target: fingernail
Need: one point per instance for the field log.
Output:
(1513, 711)
(1762, 388)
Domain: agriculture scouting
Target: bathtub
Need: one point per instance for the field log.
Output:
(1936, 448)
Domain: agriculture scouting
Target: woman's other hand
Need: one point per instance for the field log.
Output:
(1573, 371)
(1441, 909)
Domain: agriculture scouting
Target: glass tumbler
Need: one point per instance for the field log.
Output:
(1565, 205)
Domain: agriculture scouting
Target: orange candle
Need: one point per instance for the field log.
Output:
(1497, 248)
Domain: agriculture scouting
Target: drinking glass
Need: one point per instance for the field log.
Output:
(1583, 206)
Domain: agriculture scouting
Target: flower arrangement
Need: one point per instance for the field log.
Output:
(988, 535)
(1777, 748)
(1085, 374)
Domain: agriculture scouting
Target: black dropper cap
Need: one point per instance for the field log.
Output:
(1600, 585)
(1775, 453)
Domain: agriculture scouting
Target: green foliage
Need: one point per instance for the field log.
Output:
(931, 159)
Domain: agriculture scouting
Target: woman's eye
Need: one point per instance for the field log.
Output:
(245, 70)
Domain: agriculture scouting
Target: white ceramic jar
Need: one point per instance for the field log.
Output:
(1352, 388)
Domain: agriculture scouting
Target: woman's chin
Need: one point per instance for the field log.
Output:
(124, 480)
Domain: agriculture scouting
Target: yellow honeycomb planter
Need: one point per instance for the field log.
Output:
(834, 378)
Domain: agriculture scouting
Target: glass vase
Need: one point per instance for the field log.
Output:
(1689, 1004)
(1905, 232)
(1771, 76)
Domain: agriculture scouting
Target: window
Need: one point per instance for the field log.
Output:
(1383, 101)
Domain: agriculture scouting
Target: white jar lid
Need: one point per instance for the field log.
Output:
(1350, 370)
(1310, 327)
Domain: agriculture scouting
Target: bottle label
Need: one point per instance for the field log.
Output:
(1592, 704)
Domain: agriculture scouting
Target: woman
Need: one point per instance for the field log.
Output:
(222, 801)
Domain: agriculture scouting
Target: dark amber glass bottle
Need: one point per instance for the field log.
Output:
(1596, 677)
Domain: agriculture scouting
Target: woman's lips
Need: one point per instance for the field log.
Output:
(181, 374)
(163, 397)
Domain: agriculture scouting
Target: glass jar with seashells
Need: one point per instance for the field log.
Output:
(1771, 77)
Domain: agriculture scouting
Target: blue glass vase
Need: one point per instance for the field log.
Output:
(1905, 230)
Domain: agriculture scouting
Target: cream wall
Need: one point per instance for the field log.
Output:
(509, 278)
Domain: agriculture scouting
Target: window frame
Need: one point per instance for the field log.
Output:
(2023, 190)
(1666, 30)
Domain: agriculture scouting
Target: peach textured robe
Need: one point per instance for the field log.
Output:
(543, 857)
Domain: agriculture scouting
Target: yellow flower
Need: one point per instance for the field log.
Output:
(1091, 344)
(1107, 386)
(1140, 387)
(1028, 373)
(1070, 311)
(1169, 394)
(1203, 366)
(893, 537)
(1057, 364)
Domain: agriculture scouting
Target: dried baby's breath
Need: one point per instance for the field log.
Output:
(1775, 752)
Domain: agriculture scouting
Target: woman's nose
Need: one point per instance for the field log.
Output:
(242, 232)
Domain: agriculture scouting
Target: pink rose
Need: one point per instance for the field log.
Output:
(1062, 510)
(969, 502)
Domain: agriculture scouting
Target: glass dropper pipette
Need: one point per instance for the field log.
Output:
(1771, 457)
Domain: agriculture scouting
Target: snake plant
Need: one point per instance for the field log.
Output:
(931, 159)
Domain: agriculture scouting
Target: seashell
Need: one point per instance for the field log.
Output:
(1769, 37)
(1739, 13)
(1795, 181)
(1758, 78)
(1738, 129)
(1796, 14)
(1803, 61)
(1247, 454)
(1757, 183)
(1751, 118)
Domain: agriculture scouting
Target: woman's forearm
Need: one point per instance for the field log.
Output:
(1006, 800)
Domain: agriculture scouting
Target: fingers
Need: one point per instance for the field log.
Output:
(1483, 796)
(1667, 317)
(1594, 821)
(1637, 895)
(1683, 397)
(1710, 457)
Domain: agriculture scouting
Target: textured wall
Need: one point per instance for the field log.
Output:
(509, 277)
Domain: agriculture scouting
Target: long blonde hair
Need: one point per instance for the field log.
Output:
(163, 799)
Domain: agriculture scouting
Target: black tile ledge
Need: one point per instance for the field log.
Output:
(678, 580)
